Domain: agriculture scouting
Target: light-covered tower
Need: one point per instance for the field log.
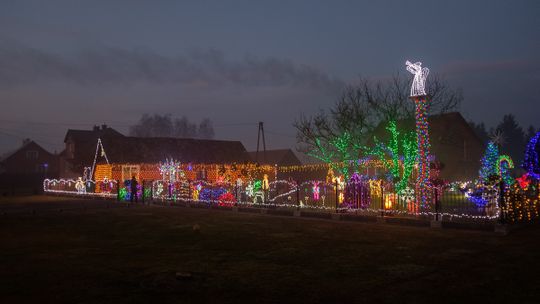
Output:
(419, 96)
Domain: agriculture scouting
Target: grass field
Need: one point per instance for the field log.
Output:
(59, 250)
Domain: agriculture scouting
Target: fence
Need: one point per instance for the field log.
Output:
(459, 201)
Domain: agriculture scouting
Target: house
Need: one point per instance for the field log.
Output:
(27, 166)
(119, 157)
(80, 148)
(280, 157)
(453, 143)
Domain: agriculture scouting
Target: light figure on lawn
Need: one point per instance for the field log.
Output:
(316, 191)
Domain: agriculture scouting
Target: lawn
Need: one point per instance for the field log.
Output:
(58, 250)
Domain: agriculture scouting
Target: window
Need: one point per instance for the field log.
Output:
(129, 170)
(32, 154)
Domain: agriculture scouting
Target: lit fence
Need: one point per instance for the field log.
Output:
(362, 196)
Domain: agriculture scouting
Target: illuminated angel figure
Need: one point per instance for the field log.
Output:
(419, 81)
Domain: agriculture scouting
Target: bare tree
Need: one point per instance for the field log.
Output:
(164, 126)
(183, 128)
(153, 126)
(206, 129)
(390, 99)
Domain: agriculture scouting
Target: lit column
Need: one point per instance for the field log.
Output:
(422, 137)
(419, 96)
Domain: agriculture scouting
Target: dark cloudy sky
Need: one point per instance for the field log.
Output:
(72, 64)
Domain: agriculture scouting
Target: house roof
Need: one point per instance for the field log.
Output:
(282, 157)
(92, 135)
(25, 144)
(127, 149)
(156, 149)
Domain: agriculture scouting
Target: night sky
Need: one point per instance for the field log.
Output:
(73, 64)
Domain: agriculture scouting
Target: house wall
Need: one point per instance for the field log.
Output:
(209, 172)
(31, 159)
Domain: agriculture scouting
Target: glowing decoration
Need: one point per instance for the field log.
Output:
(389, 201)
(211, 194)
(102, 153)
(196, 190)
(316, 191)
(524, 181)
(159, 189)
(497, 138)
(375, 187)
(407, 145)
(530, 162)
(406, 194)
(170, 170)
(419, 81)
(489, 162)
(257, 185)
(330, 178)
(80, 185)
(226, 199)
(357, 192)
(340, 187)
(418, 94)
(265, 185)
(250, 189)
(503, 164)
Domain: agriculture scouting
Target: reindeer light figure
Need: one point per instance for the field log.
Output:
(418, 87)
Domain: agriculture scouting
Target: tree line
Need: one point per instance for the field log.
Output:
(508, 135)
(166, 126)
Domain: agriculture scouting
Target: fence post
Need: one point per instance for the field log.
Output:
(337, 195)
(382, 199)
(142, 192)
(236, 193)
(152, 191)
(117, 190)
(436, 190)
(502, 205)
(297, 195)
(190, 195)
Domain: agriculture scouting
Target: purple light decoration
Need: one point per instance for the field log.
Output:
(530, 163)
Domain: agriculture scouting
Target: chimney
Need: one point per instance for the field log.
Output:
(26, 141)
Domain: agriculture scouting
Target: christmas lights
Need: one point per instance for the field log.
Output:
(103, 154)
(419, 81)
(530, 162)
(504, 163)
(489, 162)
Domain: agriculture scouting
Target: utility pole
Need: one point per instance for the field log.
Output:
(260, 131)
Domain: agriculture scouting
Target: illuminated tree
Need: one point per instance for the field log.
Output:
(340, 134)
(401, 150)
(489, 162)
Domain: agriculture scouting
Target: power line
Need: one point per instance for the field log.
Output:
(3, 131)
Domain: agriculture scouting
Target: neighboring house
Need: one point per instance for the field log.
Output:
(453, 143)
(27, 166)
(280, 157)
